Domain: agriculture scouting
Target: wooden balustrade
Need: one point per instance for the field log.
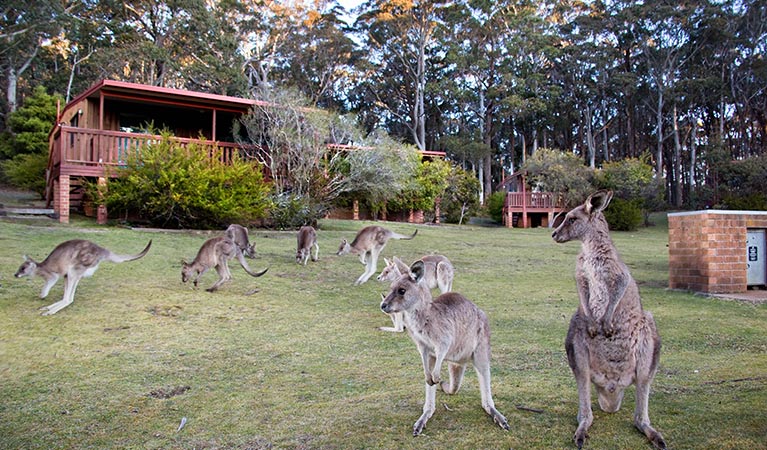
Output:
(80, 151)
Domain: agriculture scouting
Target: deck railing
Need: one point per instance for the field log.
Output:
(533, 200)
(91, 148)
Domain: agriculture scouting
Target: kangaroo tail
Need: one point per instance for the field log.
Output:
(245, 266)
(403, 236)
(123, 258)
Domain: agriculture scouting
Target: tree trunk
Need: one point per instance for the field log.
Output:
(677, 180)
(659, 131)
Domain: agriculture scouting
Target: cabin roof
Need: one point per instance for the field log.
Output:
(162, 95)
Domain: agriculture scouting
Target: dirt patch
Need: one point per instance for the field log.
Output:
(169, 392)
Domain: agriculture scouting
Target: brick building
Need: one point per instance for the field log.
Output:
(712, 251)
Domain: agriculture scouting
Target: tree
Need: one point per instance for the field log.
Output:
(400, 36)
(25, 146)
(460, 198)
(632, 180)
(380, 172)
(25, 25)
(291, 139)
(554, 171)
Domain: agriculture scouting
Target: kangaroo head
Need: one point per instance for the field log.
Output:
(187, 271)
(407, 290)
(26, 269)
(344, 248)
(250, 251)
(584, 219)
(390, 272)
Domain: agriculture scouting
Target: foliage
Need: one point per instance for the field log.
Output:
(26, 171)
(289, 212)
(380, 173)
(174, 186)
(623, 214)
(550, 170)
(291, 141)
(495, 206)
(422, 191)
(25, 148)
(461, 198)
(635, 76)
(745, 182)
(632, 180)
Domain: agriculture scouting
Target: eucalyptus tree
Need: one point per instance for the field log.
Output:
(399, 36)
(318, 56)
(26, 26)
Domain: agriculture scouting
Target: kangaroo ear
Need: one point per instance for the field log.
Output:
(388, 263)
(183, 262)
(598, 201)
(383, 297)
(417, 270)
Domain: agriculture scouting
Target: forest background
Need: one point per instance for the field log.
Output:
(679, 85)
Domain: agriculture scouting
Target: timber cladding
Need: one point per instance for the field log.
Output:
(707, 249)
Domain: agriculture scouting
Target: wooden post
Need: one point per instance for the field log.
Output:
(437, 201)
(101, 211)
(356, 209)
(62, 198)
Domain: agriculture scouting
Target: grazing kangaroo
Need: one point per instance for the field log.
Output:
(439, 274)
(449, 327)
(74, 260)
(215, 252)
(612, 342)
(307, 238)
(239, 235)
(368, 244)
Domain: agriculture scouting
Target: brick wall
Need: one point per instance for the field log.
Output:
(707, 249)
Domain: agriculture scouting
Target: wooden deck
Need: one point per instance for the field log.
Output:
(528, 209)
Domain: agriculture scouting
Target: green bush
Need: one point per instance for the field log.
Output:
(27, 171)
(288, 212)
(186, 187)
(495, 206)
(624, 215)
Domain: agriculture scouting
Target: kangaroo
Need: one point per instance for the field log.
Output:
(239, 235)
(439, 274)
(368, 244)
(215, 252)
(74, 260)
(307, 238)
(612, 342)
(449, 327)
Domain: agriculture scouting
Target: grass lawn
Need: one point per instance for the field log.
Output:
(301, 363)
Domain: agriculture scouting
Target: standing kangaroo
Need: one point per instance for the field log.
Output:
(74, 260)
(239, 235)
(448, 328)
(368, 244)
(439, 274)
(307, 238)
(215, 252)
(612, 342)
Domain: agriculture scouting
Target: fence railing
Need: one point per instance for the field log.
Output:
(533, 200)
(88, 147)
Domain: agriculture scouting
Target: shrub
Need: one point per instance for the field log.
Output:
(624, 215)
(292, 211)
(495, 206)
(186, 187)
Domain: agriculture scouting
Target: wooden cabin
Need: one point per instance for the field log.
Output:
(526, 208)
(97, 131)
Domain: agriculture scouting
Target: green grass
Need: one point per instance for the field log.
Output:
(301, 364)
